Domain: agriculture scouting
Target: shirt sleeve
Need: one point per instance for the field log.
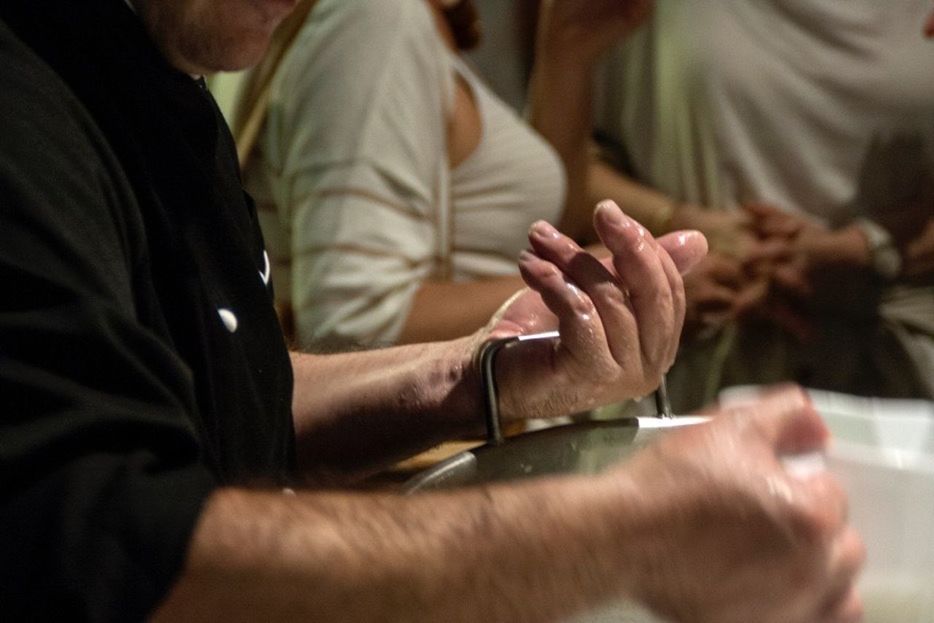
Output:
(358, 117)
(99, 469)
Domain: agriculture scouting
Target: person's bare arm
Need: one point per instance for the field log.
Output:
(444, 310)
(679, 528)
(647, 205)
(572, 36)
(619, 319)
(360, 411)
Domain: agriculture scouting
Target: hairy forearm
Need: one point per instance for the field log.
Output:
(530, 552)
(448, 310)
(359, 411)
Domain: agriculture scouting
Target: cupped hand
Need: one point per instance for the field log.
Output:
(718, 291)
(726, 534)
(619, 318)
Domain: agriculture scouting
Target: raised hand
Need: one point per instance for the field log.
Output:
(584, 29)
(620, 318)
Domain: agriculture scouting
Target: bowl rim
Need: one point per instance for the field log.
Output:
(896, 459)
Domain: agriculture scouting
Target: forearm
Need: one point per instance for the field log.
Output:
(359, 411)
(561, 96)
(448, 310)
(652, 208)
(539, 551)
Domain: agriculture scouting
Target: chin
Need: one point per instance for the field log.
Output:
(243, 56)
(202, 56)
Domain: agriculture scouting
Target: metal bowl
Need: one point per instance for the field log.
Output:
(581, 448)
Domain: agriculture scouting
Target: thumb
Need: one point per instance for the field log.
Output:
(788, 421)
(686, 248)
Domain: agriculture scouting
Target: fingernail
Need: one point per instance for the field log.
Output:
(526, 256)
(544, 230)
(611, 213)
(614, 217)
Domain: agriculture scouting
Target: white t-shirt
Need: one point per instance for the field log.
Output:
(351, 175)
(824, 107)
(812, 105)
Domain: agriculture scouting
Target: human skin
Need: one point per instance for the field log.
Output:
(572, 35)
(202, 37)
(704, 526)
(570, 41)
(396, 401)
(732, 280)
(541, 550)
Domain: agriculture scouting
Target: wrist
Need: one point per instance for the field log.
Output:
(466, 397)
(872, 246)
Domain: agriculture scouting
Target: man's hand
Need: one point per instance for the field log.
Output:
(728, 535)
(620, 319)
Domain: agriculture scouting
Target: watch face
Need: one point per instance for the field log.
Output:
(887, 262)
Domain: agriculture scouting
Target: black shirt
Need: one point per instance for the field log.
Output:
(127, 249)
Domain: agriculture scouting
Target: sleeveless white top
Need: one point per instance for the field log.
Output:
(351, 176)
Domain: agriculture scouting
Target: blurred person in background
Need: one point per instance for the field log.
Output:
(151, 415)
(393, 186)
(799, 136)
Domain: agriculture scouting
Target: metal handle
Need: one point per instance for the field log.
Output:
(662, 402)
(487, 361)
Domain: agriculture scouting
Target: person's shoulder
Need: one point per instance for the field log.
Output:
(379, 14)
(384, 44)
(374, 23)
(36, 106)
(57, 171)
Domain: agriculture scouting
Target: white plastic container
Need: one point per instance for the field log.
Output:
(883, 453)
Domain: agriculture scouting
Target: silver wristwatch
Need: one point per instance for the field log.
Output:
(884, 257)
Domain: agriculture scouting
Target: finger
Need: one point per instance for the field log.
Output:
(849, 609)
(769, 250)
(601, 286)
(929, 26)
(771, 221)
(787, 421)
(582, 335)
(724, 270)
(687, 249)
(639, 270)
(847, 556)
(679, 303)
(793, 281)
(712, 297)
(751, 297)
